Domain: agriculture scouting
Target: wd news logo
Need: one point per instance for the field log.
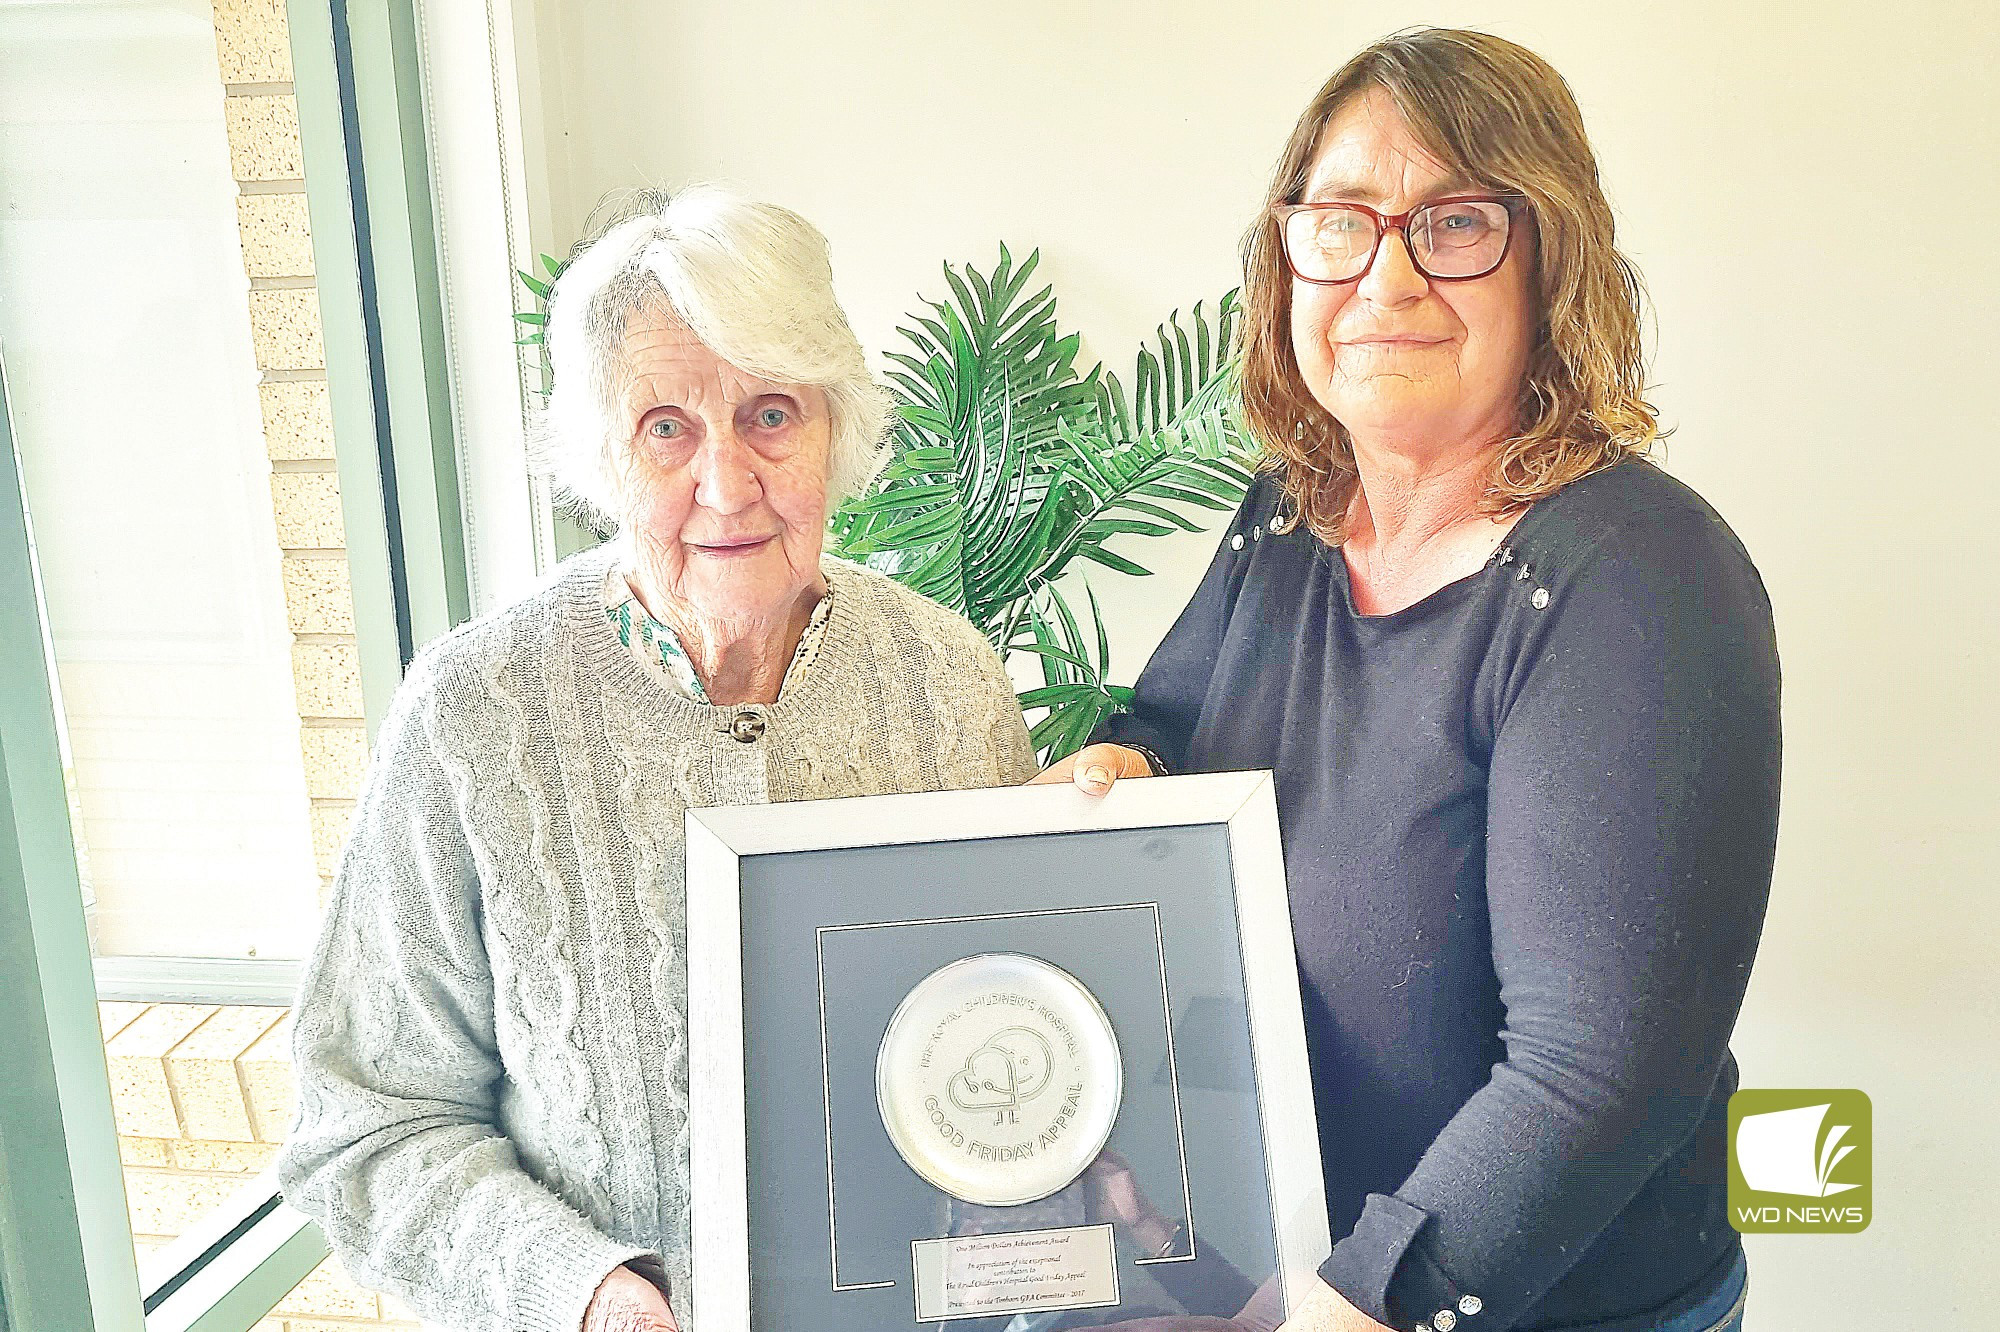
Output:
(1800, 1162)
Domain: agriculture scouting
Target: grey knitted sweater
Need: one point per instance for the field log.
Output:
(491, 1039)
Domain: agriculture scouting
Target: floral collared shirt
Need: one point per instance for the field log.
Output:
(659, 650)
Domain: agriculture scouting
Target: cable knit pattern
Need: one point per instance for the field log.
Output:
(491, 1041)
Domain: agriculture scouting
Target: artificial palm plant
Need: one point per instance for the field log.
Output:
(1007, 465)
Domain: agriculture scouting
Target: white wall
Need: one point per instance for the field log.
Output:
(1831, 397)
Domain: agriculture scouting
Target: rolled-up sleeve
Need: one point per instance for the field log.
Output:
(394, 1149)
(1631, 831)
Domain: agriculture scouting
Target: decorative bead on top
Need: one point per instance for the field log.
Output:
(1470, 1305)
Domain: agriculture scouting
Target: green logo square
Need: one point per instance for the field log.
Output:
(1801, 1162)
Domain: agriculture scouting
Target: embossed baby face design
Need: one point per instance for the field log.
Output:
(1011, 1067)
(998, 1078)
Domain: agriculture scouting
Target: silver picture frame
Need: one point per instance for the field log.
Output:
(785, 903)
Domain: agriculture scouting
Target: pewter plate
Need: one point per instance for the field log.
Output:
(998, 1078)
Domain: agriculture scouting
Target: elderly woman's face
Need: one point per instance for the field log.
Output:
(727, 476)
(1420, 364)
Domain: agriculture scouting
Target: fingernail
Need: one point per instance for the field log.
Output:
(1097, 775)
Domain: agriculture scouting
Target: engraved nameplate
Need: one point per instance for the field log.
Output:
(1019, 1272)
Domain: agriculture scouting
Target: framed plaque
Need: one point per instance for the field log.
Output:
(1015, 1060)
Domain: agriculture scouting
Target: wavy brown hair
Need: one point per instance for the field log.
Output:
(1496, 114)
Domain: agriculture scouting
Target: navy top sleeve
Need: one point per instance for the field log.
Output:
(1172, 691)
(1529, 831)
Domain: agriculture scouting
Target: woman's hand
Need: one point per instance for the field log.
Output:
(1115, 1196)
(1325, 1309)
(1095, 767)
(627, 1302)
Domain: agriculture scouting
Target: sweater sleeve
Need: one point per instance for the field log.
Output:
(394, 1149)
(1631, 829)
(1167, 699)
(1013, 752)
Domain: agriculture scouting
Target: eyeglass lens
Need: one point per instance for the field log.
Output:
(1335, 244)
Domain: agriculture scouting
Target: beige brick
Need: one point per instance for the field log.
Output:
(252, 43)
(319, 598)
(329, 1292)
(242, 1158)
(145, 1151)
(298, 419)
(326, 678)
(113, 1017)
(284, 329)
(266, 1068)
(202, 1071)
(308, 509)
(263, 138)
(394, 1310)
(167, 1202)
(331, 822)
(140, 1097)
(335, 758)
(151, 1251)
(276, 236)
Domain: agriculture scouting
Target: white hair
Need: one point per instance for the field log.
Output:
(751, 280)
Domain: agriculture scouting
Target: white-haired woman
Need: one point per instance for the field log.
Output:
(491, 1040)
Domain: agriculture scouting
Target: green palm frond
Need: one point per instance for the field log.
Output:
(1176, 371)
(1074, 691)
(964, 505)
(538, 318)
(1008, 465)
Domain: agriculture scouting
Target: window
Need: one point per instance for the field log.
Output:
(228, 516)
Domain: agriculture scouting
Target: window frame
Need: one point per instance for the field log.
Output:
(66, 1252)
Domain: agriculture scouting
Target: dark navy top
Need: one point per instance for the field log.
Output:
(1528, 829)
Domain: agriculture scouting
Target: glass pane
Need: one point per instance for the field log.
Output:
(168, 396)
(329, 1300)
(1078, 1081)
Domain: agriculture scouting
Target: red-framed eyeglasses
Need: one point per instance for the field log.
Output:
(1452, 240)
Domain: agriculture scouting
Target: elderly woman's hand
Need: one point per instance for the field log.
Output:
(627, 1302)
(1095, 767)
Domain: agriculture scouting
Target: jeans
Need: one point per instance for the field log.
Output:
(1721, 1311)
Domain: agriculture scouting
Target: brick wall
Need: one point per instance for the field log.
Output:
(203, 1096)
(261, 118)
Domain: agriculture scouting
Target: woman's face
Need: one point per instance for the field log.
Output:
(726, 480)
(1418, 366)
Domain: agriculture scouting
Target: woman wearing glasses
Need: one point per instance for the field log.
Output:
(1520, 691)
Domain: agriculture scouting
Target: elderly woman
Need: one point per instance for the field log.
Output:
(1520, 691)
(491, 1042)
